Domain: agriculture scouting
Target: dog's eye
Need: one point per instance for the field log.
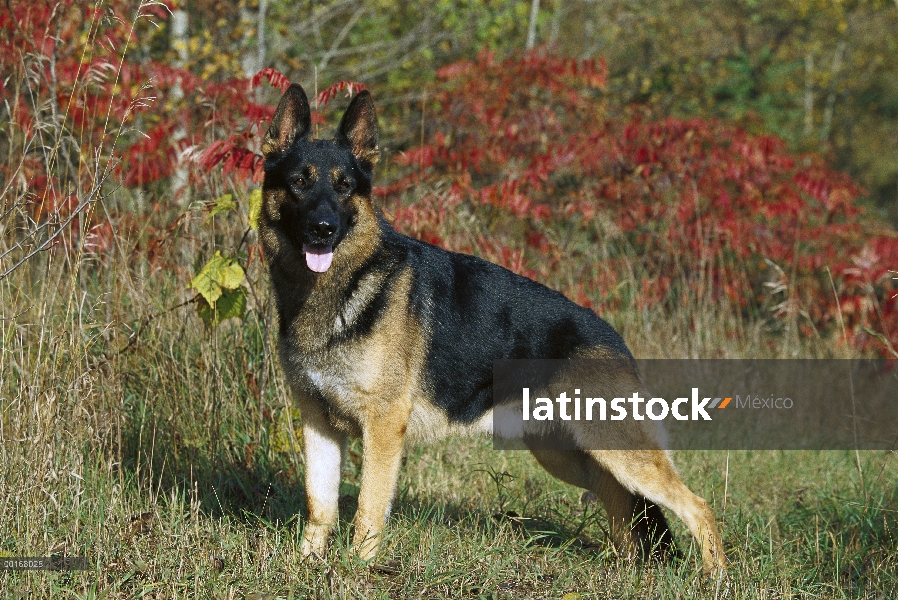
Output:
(301, 181)
(343, 186)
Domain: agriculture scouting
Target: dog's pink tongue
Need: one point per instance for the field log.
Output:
(318, 257)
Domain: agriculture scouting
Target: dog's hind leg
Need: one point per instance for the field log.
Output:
(636, 526)
(650, 528)
(651, 474)
(324, 446)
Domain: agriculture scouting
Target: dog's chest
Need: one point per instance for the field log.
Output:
(347, 377)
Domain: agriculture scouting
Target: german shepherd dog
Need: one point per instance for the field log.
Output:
(390, 338)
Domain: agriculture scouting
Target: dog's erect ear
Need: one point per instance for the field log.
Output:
(292, 120)
(358, 128)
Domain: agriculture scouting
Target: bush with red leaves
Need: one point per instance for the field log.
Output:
(705, 208)
(698, 208)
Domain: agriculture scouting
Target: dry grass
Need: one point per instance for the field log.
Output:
(156, 447)
(162, 450)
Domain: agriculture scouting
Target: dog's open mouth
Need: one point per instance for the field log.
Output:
(318, 258)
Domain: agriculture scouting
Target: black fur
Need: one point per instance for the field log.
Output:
(375, 324)
(472, 311)
(476, 312)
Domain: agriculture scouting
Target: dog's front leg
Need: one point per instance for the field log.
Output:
(324, 446)
(383, 440)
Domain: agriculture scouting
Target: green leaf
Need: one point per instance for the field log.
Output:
(231, 303)
(223, 204)
(218, 274)
(255, 208)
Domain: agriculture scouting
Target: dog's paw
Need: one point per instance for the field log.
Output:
(314, 542)
(718, 579)
(365, 550)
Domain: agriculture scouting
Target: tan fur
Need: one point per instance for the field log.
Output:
(375, 388)
(616, 475)
(336, 174)
(651, 474)
(376, 381)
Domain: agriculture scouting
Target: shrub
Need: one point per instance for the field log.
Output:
(701, 208)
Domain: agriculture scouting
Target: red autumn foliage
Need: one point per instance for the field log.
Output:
(706, 208)
(99, 89)
(330, 92)
(240, 154)
(700, 208)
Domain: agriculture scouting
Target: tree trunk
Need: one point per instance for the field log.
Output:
(531, 28)
(808, 95)
(180, 41)
(831, 97)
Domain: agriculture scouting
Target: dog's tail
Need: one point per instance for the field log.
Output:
(652, 531)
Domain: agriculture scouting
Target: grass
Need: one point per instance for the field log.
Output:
(165, 452)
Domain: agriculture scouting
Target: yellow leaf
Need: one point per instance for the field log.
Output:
(220, 272)
(222, 205)
(230, 275)
(255, 208)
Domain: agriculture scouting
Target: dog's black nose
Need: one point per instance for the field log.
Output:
(323, 229)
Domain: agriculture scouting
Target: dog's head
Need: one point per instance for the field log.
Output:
(318, 192)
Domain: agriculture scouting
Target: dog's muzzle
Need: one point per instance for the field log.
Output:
(319, 241)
